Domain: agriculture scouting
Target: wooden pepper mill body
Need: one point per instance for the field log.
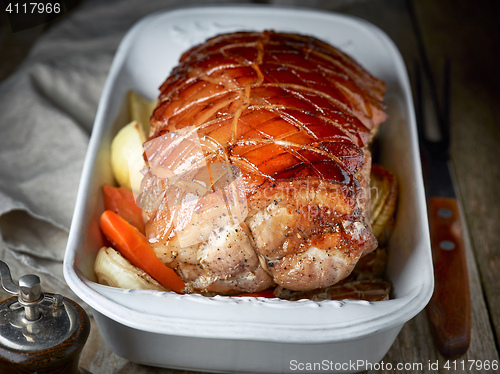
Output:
(61, 358)
(39, 333)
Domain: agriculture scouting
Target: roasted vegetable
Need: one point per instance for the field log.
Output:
(384, 196)
(134, 246)
(112, 269)
(126, 156)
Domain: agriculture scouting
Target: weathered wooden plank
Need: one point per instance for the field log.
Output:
(468, 34)
(15, 46)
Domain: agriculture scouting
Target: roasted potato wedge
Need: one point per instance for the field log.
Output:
(384, 193)
(126, 156)
(112, 269)
(126, 148)
(140, 109)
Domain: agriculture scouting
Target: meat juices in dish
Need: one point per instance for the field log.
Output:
(271, 130)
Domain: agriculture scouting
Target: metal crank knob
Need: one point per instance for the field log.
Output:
(39, 333)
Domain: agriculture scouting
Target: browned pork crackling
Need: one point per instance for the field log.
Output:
(259, 164)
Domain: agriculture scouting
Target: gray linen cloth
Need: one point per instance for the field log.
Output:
(47, 109)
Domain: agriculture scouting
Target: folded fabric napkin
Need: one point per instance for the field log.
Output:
(47, 109)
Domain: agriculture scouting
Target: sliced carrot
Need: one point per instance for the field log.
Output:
(266, 293)
(134, 246)
(121, 201)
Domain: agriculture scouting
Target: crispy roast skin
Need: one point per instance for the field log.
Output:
(295, 116)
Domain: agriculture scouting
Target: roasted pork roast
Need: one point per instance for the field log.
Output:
(258, 164)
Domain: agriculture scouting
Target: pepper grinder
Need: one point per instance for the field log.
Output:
(39, 333)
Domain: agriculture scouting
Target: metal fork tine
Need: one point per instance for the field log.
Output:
(419, 104)
(434, 152)
(441, 112)
(444, 122)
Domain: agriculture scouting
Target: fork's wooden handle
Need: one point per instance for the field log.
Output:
(448, 311)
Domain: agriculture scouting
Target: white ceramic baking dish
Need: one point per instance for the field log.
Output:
(248, 334)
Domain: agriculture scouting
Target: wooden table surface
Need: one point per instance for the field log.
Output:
(428, 31)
